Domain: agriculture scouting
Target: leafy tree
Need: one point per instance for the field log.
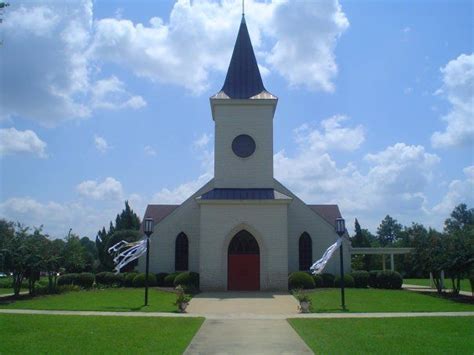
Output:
(127, 220)
(53, 262)
(388, 231)
(74, 254)
(362, 239)
(459, 244)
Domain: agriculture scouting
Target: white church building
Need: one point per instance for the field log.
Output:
(243, 230)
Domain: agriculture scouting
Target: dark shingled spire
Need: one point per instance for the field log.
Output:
(243, 79)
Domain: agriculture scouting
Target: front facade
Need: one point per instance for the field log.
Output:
(243, 230)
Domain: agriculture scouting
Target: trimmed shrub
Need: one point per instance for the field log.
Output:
(67, 279)
(318, 281)
(169, 280)
(68, 288)
(389, 280)
(128, 279)
(139, 280)
(160, 278)
(373, 278)
(361, 279)
(109, 279)
(41, 289)
(300, 279)
(188, 280)
(348, 281)
(84, 280)
(328, 279)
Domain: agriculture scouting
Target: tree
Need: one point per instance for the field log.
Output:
(388, 231)
(73, 254)
(459, 244)
(127, 220)
(362, 239)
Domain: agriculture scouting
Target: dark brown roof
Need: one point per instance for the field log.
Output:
(328, 212)
(159, 212)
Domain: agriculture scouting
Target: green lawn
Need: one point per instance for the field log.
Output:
(427, 335)
(111, 299)
(6, 291)
(465, 284)
(48, 334)
(375, 300)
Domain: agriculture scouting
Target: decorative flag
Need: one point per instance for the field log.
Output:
(319, 265)
(125, 252)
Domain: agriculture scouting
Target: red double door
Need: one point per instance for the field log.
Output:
(243, 263)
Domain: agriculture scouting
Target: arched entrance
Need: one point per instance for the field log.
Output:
(243, 268)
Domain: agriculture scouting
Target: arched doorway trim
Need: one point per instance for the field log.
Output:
(243, 263)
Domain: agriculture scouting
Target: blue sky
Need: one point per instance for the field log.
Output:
(108, 100)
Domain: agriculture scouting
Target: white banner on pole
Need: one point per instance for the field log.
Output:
(125, 252)
(319, 265)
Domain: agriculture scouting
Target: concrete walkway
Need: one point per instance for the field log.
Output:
(247, 337)
(421, 288)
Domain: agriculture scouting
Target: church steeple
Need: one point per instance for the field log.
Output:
(243, 79)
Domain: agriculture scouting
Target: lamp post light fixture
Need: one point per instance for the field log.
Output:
(148, 230)
(340, 230)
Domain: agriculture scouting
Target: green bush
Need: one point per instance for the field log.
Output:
(84, 280)
(160, 278)
(139, 280)
(128, 279)
(328, 279)
(169, 280)
(348, 281)
(109, 279)
(300, 279)
(373, 278)
(389, 280)
(6, 282)
(188, 280)
(41, 289)
(361, 279)
(67, 279)
(318, 281)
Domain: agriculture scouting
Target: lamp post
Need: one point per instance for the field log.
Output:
(340, 230)
(148, 229)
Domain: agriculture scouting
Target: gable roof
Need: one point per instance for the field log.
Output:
(327, 212)
(158, 212)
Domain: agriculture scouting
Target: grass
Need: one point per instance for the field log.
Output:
(111, 299)
(6, 291)
(465, 284)
(48, 334)
(427, 335)
(375, 300)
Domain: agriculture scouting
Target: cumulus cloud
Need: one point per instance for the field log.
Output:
(109, 189)
(101, 144)
(111, 94)
(50, 76)
(149, 150)
(13, 141)
(458, 89)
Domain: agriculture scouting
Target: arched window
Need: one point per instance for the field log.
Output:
(181, 253)
(306, 252)
(243, 243)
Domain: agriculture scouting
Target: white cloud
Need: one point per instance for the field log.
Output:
(50, 76)
(406, 29)
(202, 141)
(458, 88)
(110, 94)
(332, 137)
(109, 189)
(408, 91)
(149, 150)
(101, 144)
(13, 141)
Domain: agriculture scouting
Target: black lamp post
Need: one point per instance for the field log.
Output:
(340, 230)
(148, 229)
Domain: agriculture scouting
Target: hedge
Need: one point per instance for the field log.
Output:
(389, 280)
(128, 279)
(67, 279)
(189, 280)
(348, 281)
(109, 279)
(318, 281)
(328, 279)
(84, 280)
(169, 279)
(373, 278)
(361, 279)
(139, 280)
(300, 279)
(160, 278)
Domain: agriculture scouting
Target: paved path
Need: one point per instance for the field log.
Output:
(241, 316)
(421, 288)
(247, 337)
(252, 303)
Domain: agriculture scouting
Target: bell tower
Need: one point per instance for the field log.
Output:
(243, 113)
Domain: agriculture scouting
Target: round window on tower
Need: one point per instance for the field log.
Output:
(243, 146)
